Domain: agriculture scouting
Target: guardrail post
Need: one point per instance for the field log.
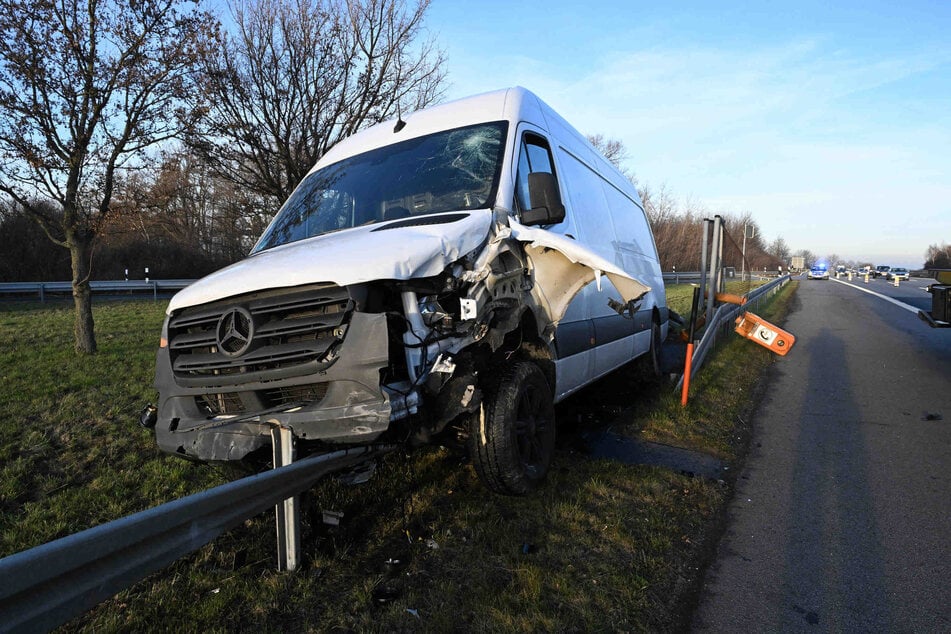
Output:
(716, 262)
(703, 264)
(42, 296)
(287, 512)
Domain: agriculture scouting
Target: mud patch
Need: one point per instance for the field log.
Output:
(612, 446)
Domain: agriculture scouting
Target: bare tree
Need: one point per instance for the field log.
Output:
(614, 151)
(85, 88)
(678, 233)
(297, 76)
(660, 206)
(938, 257)
(808, 257)
(779, 250)
(189, 203)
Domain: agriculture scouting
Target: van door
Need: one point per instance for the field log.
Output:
(638, 256)
(574, 333)
(613, 333)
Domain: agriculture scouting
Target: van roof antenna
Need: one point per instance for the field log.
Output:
(400, 124)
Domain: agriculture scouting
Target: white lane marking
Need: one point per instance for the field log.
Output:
(885, 297)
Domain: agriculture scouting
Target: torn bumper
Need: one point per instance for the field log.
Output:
(341, 404)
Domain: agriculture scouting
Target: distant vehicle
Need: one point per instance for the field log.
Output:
(881, 271)
(841, 269)
(898, 273)
(818, 272)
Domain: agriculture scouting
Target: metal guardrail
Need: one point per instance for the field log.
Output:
(723, 319)
(688, 277)
(681, 277)
(44, 587)
(40, 289)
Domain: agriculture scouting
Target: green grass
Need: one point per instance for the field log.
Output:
(680, 296)
(601, 547)
(721, 394)
(71, 453)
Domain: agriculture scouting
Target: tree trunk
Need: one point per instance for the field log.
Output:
(80, 248)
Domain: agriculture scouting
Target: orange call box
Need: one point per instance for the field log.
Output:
(771, 337)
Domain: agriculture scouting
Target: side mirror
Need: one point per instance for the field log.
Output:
(547, 208)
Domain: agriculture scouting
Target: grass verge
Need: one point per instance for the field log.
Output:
(421, 547)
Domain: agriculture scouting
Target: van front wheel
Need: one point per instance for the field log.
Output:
(512, 437)
(654, 366)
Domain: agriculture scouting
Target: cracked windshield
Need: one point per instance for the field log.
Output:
(446, 171)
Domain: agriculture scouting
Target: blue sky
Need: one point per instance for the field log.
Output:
(829, 121)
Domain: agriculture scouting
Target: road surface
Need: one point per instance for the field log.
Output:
(841, 520)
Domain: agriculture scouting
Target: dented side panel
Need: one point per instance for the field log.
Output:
(563, 267)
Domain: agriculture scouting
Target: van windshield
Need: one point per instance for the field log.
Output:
(450, 170)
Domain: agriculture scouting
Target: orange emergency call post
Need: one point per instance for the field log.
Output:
(771, 337)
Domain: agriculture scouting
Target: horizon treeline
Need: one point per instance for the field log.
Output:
(181, 220)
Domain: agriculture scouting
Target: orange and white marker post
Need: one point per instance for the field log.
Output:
(771, 337)
(688, 363)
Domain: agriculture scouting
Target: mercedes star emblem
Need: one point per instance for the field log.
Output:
(235, 331)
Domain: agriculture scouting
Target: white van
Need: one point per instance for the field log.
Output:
(447, 277)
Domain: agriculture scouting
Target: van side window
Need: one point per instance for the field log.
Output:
(533, 156)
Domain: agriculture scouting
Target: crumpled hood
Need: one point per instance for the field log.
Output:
(362, 254)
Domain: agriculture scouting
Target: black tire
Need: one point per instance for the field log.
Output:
(652, 362)
(512, 437)
(648, 367)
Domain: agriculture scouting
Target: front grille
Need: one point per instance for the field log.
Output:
(216, 404)
(258, 337)
(241, 402)
(295, 394)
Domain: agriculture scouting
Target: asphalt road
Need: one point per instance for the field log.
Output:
(841, 520)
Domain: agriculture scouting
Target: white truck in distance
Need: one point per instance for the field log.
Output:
(448, 277)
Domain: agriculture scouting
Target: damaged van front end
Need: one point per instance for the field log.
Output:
(423, 283)
(343, 362)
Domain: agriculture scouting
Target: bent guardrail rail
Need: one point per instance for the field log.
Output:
(723, 319)
(46, 586)
(690, 277)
